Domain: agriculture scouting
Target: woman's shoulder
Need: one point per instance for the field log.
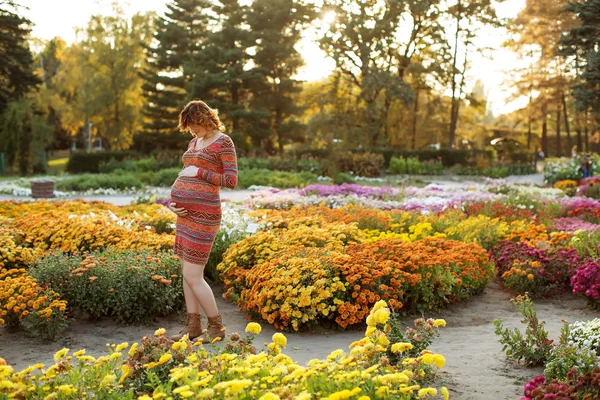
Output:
(226, 141)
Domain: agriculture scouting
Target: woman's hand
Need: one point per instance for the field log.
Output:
(190, 171)
(182, 212)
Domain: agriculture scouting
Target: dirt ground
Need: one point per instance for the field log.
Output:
(476, 369)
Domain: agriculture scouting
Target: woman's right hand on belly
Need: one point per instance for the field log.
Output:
(182, 212)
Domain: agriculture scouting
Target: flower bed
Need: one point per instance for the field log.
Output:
(295, 284)
(101, 259)
(132, 286)
(157, 368)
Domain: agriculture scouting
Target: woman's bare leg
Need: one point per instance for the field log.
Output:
(191, 303)
(193, 274)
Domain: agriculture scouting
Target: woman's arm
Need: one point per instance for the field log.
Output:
(228, 160)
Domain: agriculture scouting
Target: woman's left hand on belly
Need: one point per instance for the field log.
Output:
(189, 171)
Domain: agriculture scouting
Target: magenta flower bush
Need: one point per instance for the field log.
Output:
(586, 281)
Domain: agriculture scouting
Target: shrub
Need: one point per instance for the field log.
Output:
(568, 186)
(25, 303)
(586, 281)
(132, 286)
(540, 272)
(165, 177)
(114, 165)
(279, 179)
(361, 164)
(534, 348)
(81, 162)
(86, 182)
(412, 166)
(344, 178)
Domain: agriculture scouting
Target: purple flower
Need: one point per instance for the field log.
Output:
(573, 225)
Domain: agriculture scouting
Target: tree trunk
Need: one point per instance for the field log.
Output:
(567, 127)
(235, 100)
(545, 130)
(558, 141)
(414, 127)
(587, 132)
(454, 104)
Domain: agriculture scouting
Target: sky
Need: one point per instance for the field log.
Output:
(61, 17)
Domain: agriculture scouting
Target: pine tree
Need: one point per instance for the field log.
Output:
(180, 33)
(16, 69)
(277, 26)
(583, 42)
(223, 79)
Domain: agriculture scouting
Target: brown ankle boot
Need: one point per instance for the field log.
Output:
(215, 330)
(192, 328)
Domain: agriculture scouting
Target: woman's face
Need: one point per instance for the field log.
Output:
(198, 130)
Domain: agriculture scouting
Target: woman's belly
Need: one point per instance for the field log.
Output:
(191, 192)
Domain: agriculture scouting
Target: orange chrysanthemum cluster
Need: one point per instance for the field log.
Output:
(21, 295)
(300, 285)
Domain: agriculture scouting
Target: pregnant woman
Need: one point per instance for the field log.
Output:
(209, 164)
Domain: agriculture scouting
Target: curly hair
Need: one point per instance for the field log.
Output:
(199, 113)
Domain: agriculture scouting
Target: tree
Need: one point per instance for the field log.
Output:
(361, 42)
(180, 33)
(468, 16)
(225, 79)
(583, 44)
(277, 27)
(16, 61)
(111, 59)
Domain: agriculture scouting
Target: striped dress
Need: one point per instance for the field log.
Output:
(200, 196)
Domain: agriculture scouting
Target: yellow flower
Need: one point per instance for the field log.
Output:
(445, 394)
(206, 394)
(160, 332)
(370, 330)
(67, 389)
(165, 358)
(364, 398)
(122, 346)
(133, 349)
(79, 353)
(440, 361)
(126, 371)
(253, 328)
(269, 396)
(439, 322)
(144, 397)
(383, 340)
(401, 347)
(427, 391)
(280, 339)
(60, 354)
(109, 380)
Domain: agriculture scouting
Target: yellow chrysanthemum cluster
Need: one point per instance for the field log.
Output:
(185, 371)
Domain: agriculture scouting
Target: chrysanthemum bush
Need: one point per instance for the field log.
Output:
(132, 286)
(27, 304)
(296, 285)
(157, 368)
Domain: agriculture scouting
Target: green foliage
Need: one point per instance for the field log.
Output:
(342, 178)
(16, 63)
(132, 286)
(412, 166)
(279, 179)
(534, 348)
(81, 183)
(80, 162)
(165, 177)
